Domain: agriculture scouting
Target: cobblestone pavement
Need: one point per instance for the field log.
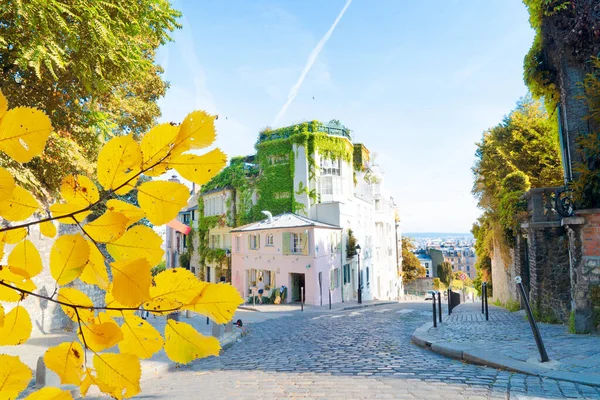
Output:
(356, 354)
(509, 334)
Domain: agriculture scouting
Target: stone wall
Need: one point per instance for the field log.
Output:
(419, 285)
(549, 272)
(503, 274)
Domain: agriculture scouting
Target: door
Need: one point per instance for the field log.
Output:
(297, 283)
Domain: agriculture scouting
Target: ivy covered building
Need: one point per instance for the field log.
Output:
(317, 172)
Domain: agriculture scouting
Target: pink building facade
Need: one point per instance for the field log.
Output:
(291, 251)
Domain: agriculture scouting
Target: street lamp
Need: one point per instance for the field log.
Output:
(228, 254)
(357, 248)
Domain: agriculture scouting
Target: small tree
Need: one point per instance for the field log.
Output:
(351, 245)
(411, 267)
(444, 272)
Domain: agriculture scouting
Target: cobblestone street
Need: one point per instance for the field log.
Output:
(356, 354)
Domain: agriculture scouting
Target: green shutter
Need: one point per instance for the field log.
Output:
(285, 245)
(305, 244)
(249, 242)
(258, 241)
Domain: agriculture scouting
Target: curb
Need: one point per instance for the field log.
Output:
(464, 352)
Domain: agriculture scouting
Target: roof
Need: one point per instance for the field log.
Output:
(285, 220)
(179, 227)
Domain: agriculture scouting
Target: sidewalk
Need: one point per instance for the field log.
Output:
(36, 346)
(506, 342)
(295, 307)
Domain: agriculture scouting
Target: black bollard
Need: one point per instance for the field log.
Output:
(487, 314)
(449, 301)
(434, 310)
(536, 332)
(440, 306)
(482, 297)
(302, 298)
(330, 299)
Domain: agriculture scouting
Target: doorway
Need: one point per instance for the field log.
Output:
(297, 283)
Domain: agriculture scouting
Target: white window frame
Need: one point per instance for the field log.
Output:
(270, 240)
(254, 242)
(297, 245)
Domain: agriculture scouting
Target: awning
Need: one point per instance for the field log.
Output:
(179, 227)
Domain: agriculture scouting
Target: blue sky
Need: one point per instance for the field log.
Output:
(417, 81)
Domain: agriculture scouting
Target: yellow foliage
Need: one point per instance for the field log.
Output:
(76, 297)
(10, 277)
(108, 227)
(79, 190)
(131, 212)
(174, 287)
(7, 182)
(119, 161)
(17, 327)
(66, 209)
(26, 258)
(100, 336)
(13, 236)
(139, 337)
(162, 200)
(156, 145)
(199, 169)
(138, 242)
(23, 133)
(94, 273)
(197, 131)
(110, 301)
(131, 281)
(217, 301)
(20, 206)
(68, 257)
(1, 316)
(66, 360)
(14, 376)
(119, 374)
(50, 393)
(184, 344)
(3, 105)
(48, 229)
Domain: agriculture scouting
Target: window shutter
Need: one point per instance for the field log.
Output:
(305, 244)
(249, 242)
(258, 241)
(285, 245)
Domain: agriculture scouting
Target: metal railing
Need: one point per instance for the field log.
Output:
(541, 204)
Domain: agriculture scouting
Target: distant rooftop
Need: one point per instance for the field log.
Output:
(285, 220)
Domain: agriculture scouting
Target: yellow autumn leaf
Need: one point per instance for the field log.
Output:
(66, 360)
(67, 210)
(217, 301)
(79, 190)
(11, 276)
(197, 131)
(155, 146)
(7, 183)
(3, 105)
(184, 344)
(14, 376)
(121, 372)
(131, 281)
(139, 337)
(76, 298)
(199, 169)
(23, 133)
(118, 162)
(110, 301)
(173, 288)
(162, 200)
(13, 236)
(107, 228)
(100, 336)
(68, 257)
(20, 206)
(95, 273)
(138, 242)
(50, 393)
(131, 212)
(26, 258)
(17, 327)
(48, 229)
(1, 316)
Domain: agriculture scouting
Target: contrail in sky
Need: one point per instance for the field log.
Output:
(309, 63)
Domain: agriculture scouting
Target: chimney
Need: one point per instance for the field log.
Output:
(269, 216)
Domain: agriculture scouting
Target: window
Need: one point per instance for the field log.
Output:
(347, 277)
(468, 267)
(184, 241)
(330, 167)
(186, 218)
(297, 244)
(270, 240)
(237, 244)
(193, 215)
(254, 242)
(377, 205)
(368, 276)
(334, 278)
(215, 241)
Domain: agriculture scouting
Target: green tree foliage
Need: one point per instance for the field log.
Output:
(90, 66)
(351, 244)
(517, 154)
(411, 267)
(444, 272)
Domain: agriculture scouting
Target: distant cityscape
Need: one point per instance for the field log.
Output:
(425, 240)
